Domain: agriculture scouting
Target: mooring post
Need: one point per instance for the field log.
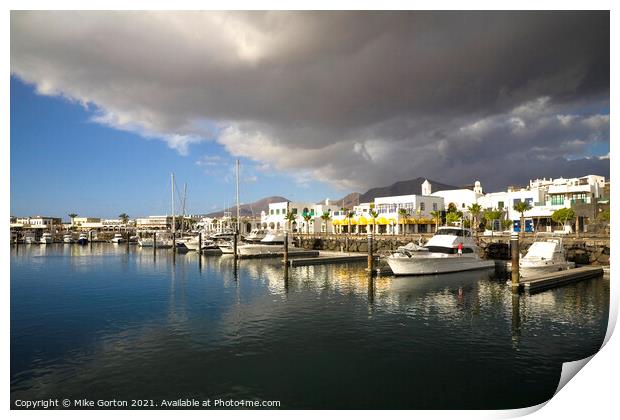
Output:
(514, 253)
(199, 251)
(370, 257)
(286, 249)
(127, 244)
(235, 245)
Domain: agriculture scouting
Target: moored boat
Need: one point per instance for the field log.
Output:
(82, 239)
(46, 238)
(545, 255)
(68, 239)
(451, 249)
(117, 239)
(272, 243)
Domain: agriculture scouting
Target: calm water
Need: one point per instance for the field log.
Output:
(99, 323)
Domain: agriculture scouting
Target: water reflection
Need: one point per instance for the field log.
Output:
(100, 320)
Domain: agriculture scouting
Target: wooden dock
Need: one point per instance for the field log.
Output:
(560, 278)
(291, 254)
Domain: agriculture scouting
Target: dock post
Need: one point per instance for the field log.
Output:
(127, 244)
(514, 253)
(286, 249)
(235, 245)
(199, 251)
(370, 256)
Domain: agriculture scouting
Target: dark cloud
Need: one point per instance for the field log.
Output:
(354, 98)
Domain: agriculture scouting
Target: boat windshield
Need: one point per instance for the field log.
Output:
(453, 232)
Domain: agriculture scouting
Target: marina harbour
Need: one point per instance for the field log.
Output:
(110, 321)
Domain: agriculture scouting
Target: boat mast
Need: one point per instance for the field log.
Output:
(238, 209)
(183, 212)
(173, 218)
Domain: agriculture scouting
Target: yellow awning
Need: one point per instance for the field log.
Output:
(362, 221)
(411, 221)
(336, 222)
(353, 221)
(382, 221)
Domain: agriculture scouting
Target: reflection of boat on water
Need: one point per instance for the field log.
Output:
(436, 282)
(545, 255)
(439, 255)
(161, 242)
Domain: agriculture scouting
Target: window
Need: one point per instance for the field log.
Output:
(463, 205)
(434, 207)
(271, 211)
(422, 206)
(529, 201)
(557, 200)
(294, 211)
(500, 205)
(277, 211)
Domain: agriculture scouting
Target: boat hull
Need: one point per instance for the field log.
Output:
(413, 266)
(529, 271)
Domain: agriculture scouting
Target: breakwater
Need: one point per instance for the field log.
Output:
(583, 251)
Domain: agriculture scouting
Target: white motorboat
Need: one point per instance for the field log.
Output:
(226, 247)
(210, 248)
(46, 238)
(439, 255)
(82, 239)
(160, 242)
(30, 239)
(188, 243)
(272, 243)
(68, 239)
(117, 239)
(545, 255)
(256, 235)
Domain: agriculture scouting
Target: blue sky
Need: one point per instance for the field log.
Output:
(62, 162)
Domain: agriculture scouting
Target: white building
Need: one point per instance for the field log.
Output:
(461, 198)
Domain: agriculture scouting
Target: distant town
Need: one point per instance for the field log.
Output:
(586, 196)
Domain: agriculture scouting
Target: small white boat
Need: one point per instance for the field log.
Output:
(256, 235)
(187, 243)
(439, 255)
(210, 247)
(68, 239)
(117, 239)
(226, 247)
(82, 239)
(545, 255)
(46, 238)
(272, 243)
(160, 242)
(30, 239)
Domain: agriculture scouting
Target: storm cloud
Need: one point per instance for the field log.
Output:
(357, 99)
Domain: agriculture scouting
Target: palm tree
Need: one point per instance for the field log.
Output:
(452, 217)
(475, 210)
(404, 214)
(350, 215)
(290, 218)
(72, 216)
(522, 207)
(326, 216)
(373, 214)
(124, 217)
(307, 218)
(436, 214)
